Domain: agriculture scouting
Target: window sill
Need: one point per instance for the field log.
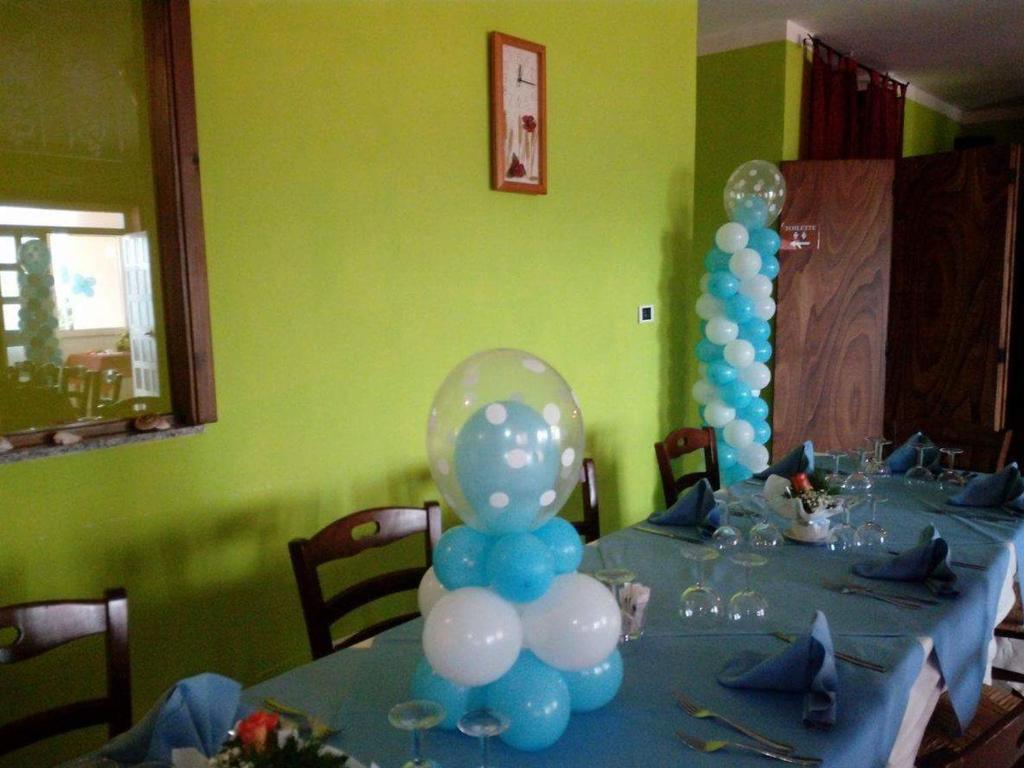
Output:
(94, 443)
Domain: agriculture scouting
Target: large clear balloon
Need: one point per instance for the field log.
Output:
(536, 701)
(472, 637)
(575, 625)
(505, 441)
(754, 194)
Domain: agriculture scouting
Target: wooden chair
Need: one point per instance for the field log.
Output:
(994, 739)
(336, 541)
(678, 443)
(984, 450)
(590, 526)
(46, 625)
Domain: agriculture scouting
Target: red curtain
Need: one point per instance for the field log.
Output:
(852, 116)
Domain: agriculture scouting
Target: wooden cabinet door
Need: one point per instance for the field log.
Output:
(833, 305)
(952, 283)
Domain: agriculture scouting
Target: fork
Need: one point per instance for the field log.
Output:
(961, 563)
(903, 597)
(848, 590)
(713, 746)
(695, 710)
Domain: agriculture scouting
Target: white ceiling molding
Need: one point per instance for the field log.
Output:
(993, 115)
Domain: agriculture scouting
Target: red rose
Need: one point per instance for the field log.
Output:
(529, 123)
(516, 169)
(254, 730)
(800, 482)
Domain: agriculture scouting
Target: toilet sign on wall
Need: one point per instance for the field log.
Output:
(799, 237)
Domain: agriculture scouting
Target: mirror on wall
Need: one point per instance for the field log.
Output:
(81, 317)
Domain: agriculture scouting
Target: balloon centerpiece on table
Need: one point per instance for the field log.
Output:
(510, 624)
(735, 306)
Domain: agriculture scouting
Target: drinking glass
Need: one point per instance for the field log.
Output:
(483, 724)
(726, 536)
(871, 534)
(857, 482)
(417, 716)
(699, 603)
(842, 538)
(762, 534)
(920, 474)
(748, 605)
(615, 579)
(875, 465)
(950, 477)
(835, 479)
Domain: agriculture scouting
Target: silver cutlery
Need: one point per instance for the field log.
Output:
(961, 563)
(695, 710)
(848, 658)
(670, 534)
(893, 595)
(846, 589)
(714, 746)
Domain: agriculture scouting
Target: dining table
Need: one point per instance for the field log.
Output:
(945, 645)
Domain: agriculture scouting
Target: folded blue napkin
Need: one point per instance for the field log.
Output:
(697, 506)
(905, 457)
(1004, 488)
(800, 459)
(807, 665)
(196, 712)
(928, 562)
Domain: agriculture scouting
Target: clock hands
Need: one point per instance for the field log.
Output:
(520, 78)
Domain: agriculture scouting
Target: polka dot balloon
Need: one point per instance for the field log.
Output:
(754, 194)
(505, 441)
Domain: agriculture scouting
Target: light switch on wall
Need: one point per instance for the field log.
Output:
(645, 313)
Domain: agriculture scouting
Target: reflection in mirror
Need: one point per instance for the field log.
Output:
(80, 313)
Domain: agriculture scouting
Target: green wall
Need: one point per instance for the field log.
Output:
(356, 253)
(926, 131)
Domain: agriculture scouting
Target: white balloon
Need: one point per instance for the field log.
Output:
(708, 306)
(705, 280)
(738, 433)
(756, 287)
(718, 414)
(472, 637)
(731, 237)
(764, 308)
(739, 353)
(575, 625)
(702, 391)
(754, 457)
(756, 375)
(430, 592)
(721, 330)
(745, 263)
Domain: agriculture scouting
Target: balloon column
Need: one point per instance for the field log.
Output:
(510, 624)
(735, 306)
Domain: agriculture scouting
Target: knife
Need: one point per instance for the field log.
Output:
(670, 534)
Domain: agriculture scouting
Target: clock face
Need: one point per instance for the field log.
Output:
(521, 101)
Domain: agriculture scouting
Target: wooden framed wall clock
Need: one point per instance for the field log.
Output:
(518, 116)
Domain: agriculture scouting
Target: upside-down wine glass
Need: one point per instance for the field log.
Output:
(842, 538)
(483, 724)
(748, 605)
(417, 716)
(919, 474)
(950, 477)
(835, 479)
(871, 534)
(727, 536)
(762, 534)
(857, 482)
(875, 465)
(700, 604)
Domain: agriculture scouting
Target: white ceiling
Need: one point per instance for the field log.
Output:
(967, 53)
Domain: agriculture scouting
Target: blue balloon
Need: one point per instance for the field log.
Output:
(716, 260)
(737, 473)
(762, 431)
(460, 558)
(727, 455)
(457, 700)
(720, 372)
(723, 284)
(505, 495)
(770, 267)
(765, 241)
(708, 352)
(735, 393)
(751, 212)
(739, 308)
(762, 351)
(755, 330)
(755, 411)
(535, 699)
(592, 688)
(520, 567)
(561, 538)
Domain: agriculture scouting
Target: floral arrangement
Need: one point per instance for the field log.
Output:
(813, 493)
(260, 741)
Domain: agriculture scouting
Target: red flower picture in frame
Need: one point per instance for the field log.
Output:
(518, 115)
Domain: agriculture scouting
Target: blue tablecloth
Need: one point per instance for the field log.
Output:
(355, 688)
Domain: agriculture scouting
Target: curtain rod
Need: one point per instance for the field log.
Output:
(837, 52)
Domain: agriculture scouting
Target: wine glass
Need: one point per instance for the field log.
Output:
(920, 474)
(417, 716)
(615, 579)
(871, 534)
(699, 603)
(875, 465)
(857, 482)
(842, 538)
(835, 479)
(950, 477)
(483, 724)
(726, 536)
(762, 534)
(747, 605)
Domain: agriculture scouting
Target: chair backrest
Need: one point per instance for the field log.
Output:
(336, 541)
(985, 450)
(678, 443)
(106, 389)
(77, 383)
(590, 526)
(47, 625)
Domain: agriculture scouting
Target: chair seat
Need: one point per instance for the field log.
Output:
(990, 741)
